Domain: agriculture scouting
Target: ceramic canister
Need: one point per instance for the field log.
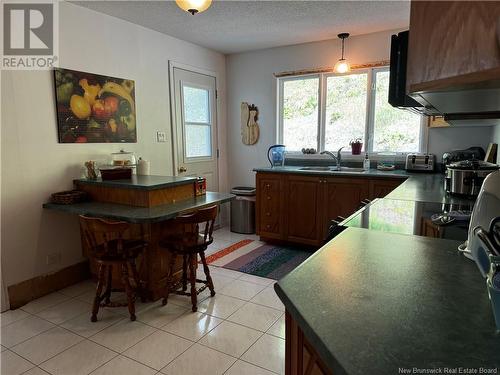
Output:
(143, 167)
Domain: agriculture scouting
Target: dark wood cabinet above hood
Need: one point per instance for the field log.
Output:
(454, 57)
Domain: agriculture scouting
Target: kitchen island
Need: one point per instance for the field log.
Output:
(375, 302)
(149, 204)
(141, 215)
(371, 302)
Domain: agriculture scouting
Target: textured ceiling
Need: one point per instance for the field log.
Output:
(237, 26)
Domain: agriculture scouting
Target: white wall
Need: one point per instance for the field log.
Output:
(442, 140)
(35, 165)
(250, 78)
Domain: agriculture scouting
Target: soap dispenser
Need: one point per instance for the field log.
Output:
(366, 162)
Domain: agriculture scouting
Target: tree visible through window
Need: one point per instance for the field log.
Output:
(394, 129)
(300, 113)
(345, 109)
(197, 122)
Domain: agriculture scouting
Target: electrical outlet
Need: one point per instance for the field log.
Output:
(53, 258)
(161, 137)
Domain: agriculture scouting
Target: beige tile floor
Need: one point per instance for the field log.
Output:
(240, 331)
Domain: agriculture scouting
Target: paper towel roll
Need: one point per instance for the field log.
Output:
(143, 167)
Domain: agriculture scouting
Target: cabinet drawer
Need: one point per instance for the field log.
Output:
(269, 196)
(272, 227)
(269, 186)
(269, 215)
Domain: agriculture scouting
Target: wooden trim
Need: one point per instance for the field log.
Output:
(436, 122)
(376, 64)
(485, 79)
(137, 197)
(301, 358)
(26, 291)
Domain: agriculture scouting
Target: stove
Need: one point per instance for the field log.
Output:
(429, 219)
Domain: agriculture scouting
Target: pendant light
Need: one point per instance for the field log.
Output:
(342, 66)
(193, 6)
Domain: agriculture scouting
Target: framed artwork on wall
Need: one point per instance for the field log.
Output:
(92, 108)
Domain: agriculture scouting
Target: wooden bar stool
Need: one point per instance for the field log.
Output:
(195, 235)
(109, 249)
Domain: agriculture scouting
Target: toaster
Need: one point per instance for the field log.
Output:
(420, 162)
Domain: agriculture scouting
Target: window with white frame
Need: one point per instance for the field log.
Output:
(326, 111)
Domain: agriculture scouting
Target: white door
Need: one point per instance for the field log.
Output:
(195, 128)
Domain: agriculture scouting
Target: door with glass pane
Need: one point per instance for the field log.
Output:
(195, 126)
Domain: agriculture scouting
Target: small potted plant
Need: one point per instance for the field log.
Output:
(356, 146)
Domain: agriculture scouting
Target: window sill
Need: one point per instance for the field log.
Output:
(399, 156)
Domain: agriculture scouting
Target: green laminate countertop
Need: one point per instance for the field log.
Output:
(133, 214)
(140, 182)
(398, 173)
(372, 302)
(417, 186)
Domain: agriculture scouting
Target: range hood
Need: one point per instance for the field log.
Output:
(464, 106)
(469, 100)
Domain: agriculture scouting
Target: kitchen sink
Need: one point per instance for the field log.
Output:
(349, 169)
(332, 169)
(316, 169)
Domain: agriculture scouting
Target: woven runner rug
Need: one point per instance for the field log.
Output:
(259, 258)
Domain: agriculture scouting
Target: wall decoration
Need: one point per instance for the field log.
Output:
(92, 108)
(249, 125)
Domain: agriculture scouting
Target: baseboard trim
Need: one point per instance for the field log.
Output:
(26, 291)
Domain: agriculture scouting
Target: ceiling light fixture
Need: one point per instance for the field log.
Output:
(193, 6)
(342, 66)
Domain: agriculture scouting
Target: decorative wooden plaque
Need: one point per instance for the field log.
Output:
(249, 125)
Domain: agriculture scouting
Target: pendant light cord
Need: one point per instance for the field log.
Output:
(343, 37)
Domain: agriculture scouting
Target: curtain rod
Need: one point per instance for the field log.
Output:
(330, 69)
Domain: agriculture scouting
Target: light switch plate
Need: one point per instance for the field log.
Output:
(161, 137)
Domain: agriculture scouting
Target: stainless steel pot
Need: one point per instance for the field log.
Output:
(466, 177)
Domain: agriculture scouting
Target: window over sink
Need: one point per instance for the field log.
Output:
(300, 112)
(326, 111)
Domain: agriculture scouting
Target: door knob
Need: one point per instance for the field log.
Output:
(182, 169)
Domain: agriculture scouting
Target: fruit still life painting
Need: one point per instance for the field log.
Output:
(92, 108)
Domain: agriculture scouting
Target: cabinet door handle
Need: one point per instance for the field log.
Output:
(268, 186)
(268, 226)
(268, 198)
(268, 214)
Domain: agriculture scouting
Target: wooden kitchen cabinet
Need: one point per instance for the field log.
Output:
(304, 209)
(437, 122)
(429, 229)
(379, 188)
(270, 208)
(452, 44)
(300, 356)
(298, 208)
(343, 197)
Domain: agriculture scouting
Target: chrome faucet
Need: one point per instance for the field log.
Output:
(338, 158)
